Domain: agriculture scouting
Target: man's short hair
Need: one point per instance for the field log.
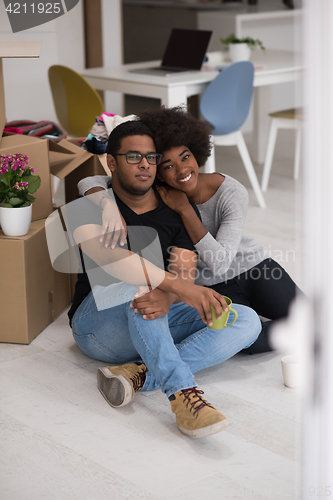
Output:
(124, 130)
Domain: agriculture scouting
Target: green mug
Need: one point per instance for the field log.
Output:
(218, 324)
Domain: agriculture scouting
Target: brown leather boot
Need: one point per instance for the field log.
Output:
(194, 416)
(118, 384)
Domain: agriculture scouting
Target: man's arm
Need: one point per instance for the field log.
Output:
(119, 262)
(133, 269)
(156, 303)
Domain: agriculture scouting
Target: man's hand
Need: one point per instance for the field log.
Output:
(114, 227)
(152, 305)
(201, 298)
(175, 199)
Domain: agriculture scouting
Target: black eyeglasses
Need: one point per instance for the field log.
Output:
(134, 158)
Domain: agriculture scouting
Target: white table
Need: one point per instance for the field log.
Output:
(277, 67)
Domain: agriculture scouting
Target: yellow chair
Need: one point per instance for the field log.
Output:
(76, 102)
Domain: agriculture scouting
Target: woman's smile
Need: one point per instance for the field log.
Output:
(185, 179)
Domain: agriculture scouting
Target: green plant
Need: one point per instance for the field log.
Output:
(251, 42)
(16, 181)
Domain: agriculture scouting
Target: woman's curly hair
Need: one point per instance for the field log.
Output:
(173, 127)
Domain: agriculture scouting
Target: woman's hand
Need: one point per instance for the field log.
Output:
(175, 199)
(152, 305)
(201, 298)
(114, 227)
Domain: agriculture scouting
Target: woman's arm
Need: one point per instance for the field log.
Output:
(216, 251)
(114, 227)
(101, 181)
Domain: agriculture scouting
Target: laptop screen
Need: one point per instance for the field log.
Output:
(186, 49)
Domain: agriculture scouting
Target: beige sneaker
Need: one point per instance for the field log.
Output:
(194, 416)
(118, 384)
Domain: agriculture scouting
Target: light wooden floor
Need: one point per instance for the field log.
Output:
(60, 439)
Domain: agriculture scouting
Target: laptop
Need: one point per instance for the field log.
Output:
(185, 51)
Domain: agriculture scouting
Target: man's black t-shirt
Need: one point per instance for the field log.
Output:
(142, 232)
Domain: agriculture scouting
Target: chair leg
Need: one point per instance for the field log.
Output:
(249, 169)
(275, 125)
(210, 167)
(297, 153)
(269, 155)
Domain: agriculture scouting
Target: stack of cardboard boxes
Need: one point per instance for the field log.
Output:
(32, 293)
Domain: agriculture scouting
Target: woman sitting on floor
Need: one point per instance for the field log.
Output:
(230, 261)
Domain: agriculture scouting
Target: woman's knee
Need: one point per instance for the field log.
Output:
(249, 321)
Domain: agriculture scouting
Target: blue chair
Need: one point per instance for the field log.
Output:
(225, 104)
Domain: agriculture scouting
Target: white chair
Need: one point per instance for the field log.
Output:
(288, 119)
(225, 105)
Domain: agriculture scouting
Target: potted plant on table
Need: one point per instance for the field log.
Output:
(240, 48)
(17, 183)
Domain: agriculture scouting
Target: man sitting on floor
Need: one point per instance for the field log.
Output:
(172, 340)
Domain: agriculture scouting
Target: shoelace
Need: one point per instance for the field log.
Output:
(194, 392)
(138, 380)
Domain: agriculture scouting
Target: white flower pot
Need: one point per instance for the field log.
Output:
(15, 221)
(239, 52)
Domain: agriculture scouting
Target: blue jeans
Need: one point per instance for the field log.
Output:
(172, 347)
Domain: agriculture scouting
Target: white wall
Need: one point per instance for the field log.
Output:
(112, 48)
(27, 91)
(276, 32)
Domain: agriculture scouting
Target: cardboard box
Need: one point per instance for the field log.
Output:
(32, 293)
(38, 152)
(17, 50)
(65, 160)
(72, 163)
